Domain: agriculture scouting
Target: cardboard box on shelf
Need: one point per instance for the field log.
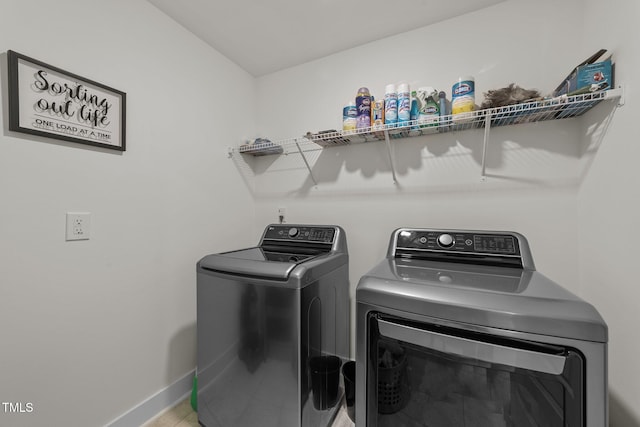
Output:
(593, 74)
(591, 78)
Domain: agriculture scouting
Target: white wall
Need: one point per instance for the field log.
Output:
(533, 169)
(554, 182)
(609, 209)
(92, 328)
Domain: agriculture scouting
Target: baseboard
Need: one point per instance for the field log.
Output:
(155, 404)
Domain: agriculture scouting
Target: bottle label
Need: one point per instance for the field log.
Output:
(349, 124)
(404, 109)
(349, 111)
(463, 97)
(349, 114)
(377, 114)
(463, 88)
(363, 104)
(390, 108)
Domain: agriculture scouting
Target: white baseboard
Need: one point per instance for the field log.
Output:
(155, 404)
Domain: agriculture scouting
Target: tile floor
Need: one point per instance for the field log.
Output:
(182, 415)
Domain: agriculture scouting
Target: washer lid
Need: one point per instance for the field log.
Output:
(282, 248)
(497, 297)
(255, 262)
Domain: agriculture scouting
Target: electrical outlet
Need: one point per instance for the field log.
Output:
(282, 212)
(78, 225)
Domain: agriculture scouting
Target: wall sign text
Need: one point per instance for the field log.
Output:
(50, 102)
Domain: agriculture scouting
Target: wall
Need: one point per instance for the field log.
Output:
(559, 183)
(92, 328)
(533, 170)
(609, 208)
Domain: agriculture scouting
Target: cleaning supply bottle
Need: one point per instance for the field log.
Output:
(413, 115)
(377, 114)
(442, 101)
(404, 104)
(429, 108)
(390, 105)
(463, 100)
(349, 116)
(363, 105)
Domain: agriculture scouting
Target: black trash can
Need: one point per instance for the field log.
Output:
(325, 381)
(349, 376)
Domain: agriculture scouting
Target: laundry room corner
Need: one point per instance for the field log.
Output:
(608, 213)
(204, 211)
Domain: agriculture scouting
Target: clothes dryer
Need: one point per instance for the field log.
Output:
(457, 328)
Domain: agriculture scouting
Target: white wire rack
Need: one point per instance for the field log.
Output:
(549, 109)
(562, 107)
(541, 110)
(282, 146)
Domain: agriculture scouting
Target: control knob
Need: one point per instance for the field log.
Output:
(293, 232)
(445, 240)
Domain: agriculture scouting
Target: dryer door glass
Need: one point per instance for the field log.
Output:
(428, 375)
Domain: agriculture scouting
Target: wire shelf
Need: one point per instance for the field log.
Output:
(561, 107)
(261, 149)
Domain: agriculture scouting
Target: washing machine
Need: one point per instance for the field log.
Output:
(456, 328)
(273, 329)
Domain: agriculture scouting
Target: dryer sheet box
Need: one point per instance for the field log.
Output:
(588, 78)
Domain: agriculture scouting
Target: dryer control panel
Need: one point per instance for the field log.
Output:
(460, 245)
(492, 244)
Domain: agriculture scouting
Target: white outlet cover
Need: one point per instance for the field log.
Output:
(78, 226)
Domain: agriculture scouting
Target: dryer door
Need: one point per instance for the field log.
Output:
(421, 374)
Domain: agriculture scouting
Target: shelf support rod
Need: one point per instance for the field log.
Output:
(304, 158)
(487, 129)
(621, 98)
(390, 151)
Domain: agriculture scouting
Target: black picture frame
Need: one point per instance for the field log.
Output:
(50, 102)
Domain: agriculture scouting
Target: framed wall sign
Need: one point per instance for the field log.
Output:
(50, 102)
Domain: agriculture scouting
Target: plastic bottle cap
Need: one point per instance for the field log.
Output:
(390, 88)
(403, 87)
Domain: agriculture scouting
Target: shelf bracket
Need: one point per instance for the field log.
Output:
(487, 130)
(621, 98)
(304, 158)
(390, 151)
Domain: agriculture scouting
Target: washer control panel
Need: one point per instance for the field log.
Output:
(300, 233)
(458, 242)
